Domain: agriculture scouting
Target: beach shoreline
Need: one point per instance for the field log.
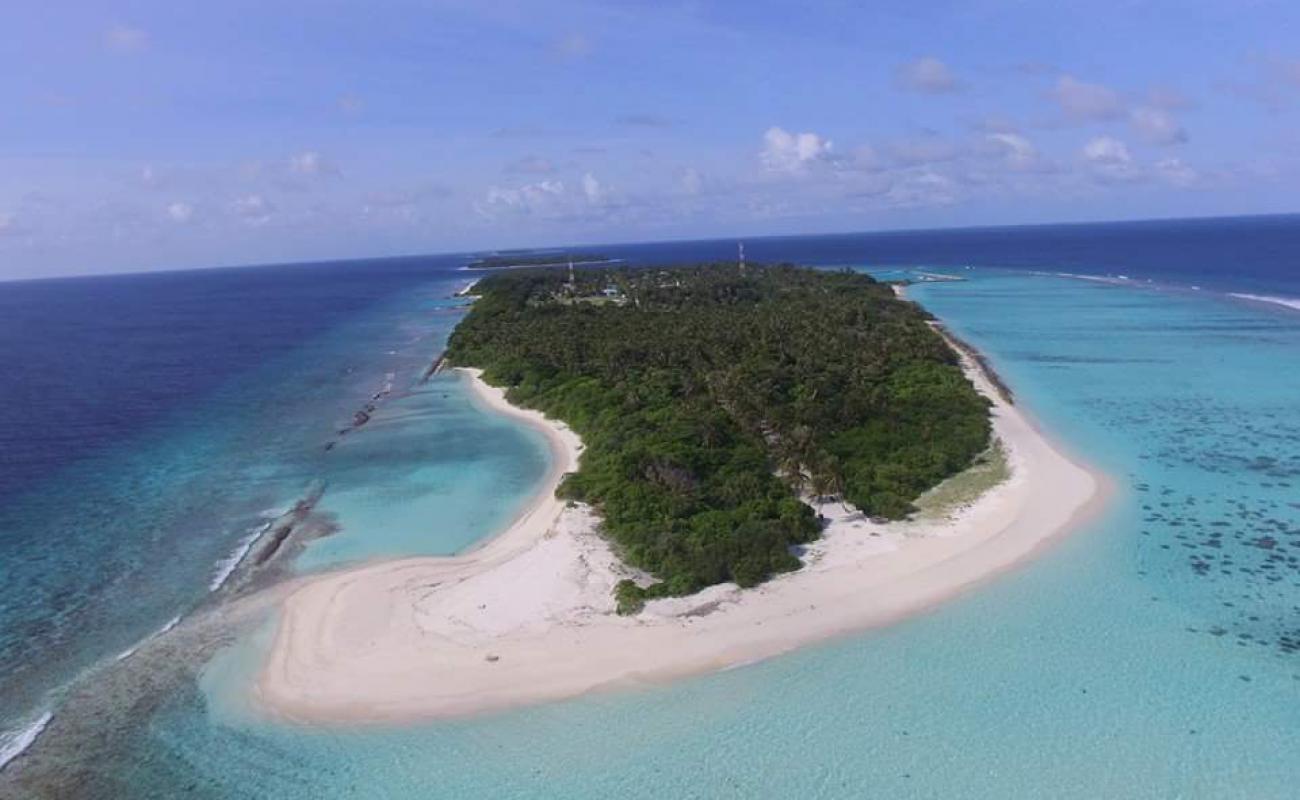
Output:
(528, 616)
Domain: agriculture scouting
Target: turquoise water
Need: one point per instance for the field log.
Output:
(110, 549)
(432, 475)
(1149, 655)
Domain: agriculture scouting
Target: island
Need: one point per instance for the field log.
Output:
(712, 398)
(745, 460)
(526, 258)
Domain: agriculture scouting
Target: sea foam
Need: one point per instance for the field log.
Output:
(130, 651)
(13, 743)
(1292, 303)
(227, 565)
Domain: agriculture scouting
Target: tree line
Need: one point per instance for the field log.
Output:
(711, 397)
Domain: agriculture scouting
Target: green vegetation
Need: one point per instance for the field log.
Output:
(710, 398)
(526, 259)
(989, 469)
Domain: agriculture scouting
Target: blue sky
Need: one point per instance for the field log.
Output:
(149, 135)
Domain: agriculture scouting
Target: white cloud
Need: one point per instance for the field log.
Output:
(1106, 150)
(529, 198)
(125, 39)
(927, 75)
(180, 212)
(592, 188)
(1175, 172)
(1017, 151)
(253, 209)
(1110, 159)
(1157, 126)
(1086, 102)
(793, 152)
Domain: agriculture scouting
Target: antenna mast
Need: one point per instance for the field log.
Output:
(740, 247)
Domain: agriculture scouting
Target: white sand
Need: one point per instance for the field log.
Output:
(529, 617)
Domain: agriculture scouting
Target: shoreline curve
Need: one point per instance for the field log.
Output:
(528, 616)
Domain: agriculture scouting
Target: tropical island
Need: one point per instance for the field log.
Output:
(743, 461)
(711, 398)
(528, 258)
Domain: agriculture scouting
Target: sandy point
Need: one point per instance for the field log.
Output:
(529, 616)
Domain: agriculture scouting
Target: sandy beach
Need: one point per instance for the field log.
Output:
(529, 616)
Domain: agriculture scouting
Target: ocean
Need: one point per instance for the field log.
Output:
(153, 423)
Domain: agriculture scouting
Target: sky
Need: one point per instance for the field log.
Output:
(160, 135)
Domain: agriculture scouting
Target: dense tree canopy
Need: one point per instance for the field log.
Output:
(709, 396)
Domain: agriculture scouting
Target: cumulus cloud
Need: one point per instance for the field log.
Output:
(121, 38)
(180, 211)
(1106, 150)
(1014, 150)
(1109, 158)
(1083, 102)
(793, 152)
(927, 75)
(1157, 126)
(529, 198)
(253, 209)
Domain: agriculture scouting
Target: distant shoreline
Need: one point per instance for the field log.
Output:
(471, 267)
(528, 616)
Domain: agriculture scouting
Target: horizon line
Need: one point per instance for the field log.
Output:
(651, 242)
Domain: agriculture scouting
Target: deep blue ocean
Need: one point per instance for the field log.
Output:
(153, 424)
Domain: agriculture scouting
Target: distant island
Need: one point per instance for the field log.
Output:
(526, 259)
(713, 398)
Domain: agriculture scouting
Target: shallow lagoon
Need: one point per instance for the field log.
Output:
(1145, 656)
(1112, 666)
